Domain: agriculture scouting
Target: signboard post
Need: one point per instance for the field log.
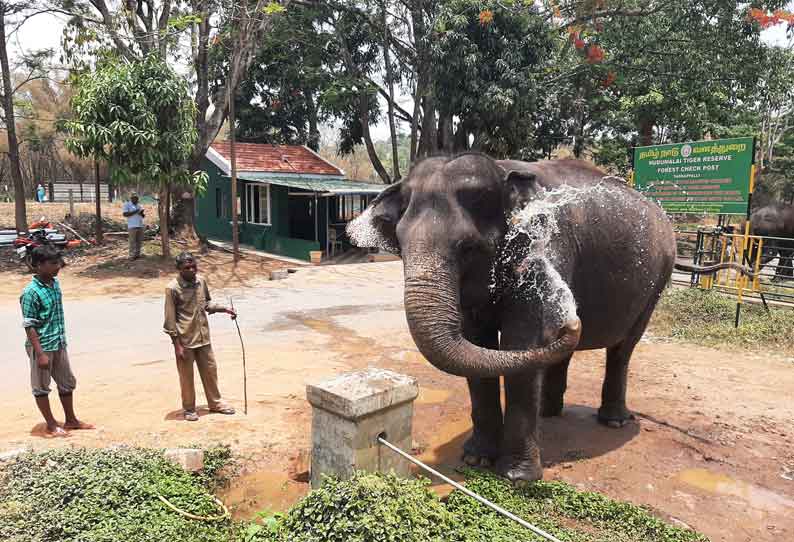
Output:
(714, 177)
(697, 177)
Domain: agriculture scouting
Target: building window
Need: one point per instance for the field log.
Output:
(349, 206)
(222, 207)
(257, 203)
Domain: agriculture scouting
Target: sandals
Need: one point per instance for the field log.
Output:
(192, 416)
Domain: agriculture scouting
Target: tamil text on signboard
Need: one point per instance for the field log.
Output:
(697, 177)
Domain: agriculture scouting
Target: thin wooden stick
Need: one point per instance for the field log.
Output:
(245, 372)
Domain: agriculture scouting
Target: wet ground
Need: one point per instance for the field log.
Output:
(713, 445)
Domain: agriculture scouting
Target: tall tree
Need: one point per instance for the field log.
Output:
(138, 118)
(20, 211)
(183, 32)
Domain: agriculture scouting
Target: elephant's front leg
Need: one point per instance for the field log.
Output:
(482, 448)
(520, 459)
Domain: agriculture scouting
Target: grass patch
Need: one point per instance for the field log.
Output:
(111, 495)
(706, 317)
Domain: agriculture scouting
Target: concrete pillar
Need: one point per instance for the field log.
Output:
(349, 412)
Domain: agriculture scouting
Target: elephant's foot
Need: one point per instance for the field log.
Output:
(551, 406)
(480, 451)
(614, 415)
(520, 471)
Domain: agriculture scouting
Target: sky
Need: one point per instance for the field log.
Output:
(44, 31)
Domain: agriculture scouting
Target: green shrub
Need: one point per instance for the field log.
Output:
(366, 508)
(385, 508)
(105, 496)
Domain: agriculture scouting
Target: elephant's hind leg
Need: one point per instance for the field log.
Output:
(555, 382)
(613, 411)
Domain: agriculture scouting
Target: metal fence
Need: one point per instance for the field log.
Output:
(769, 257)
(81, 192)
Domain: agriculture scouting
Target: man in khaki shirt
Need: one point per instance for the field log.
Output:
(187, 303)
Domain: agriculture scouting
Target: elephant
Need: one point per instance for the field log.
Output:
(509, 267)
(776, 220)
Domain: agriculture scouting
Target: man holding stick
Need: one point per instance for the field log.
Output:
(187, 303)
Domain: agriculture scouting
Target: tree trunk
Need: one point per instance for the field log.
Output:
(428, 143)
(20, 211)
(363, 115)
(395, 157)
(446, 135)
(163, 208)
(314, 132)
(98, 198)
(646, 131)
(415, 124)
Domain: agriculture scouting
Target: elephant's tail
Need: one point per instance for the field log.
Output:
(711, 269)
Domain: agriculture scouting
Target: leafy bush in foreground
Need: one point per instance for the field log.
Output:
(106, 496)
(385, 508)
(111, 495)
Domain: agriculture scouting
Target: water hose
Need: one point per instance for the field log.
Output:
(223, 516)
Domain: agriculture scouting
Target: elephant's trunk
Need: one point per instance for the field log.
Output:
(433, 310)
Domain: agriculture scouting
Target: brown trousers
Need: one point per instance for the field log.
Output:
(136, 240)
(208, 371)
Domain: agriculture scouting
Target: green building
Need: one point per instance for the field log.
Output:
(291, 201)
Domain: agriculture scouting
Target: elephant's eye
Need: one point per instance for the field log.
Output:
(471, 197)
(481, 202)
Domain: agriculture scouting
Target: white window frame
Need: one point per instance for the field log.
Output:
(253, 190)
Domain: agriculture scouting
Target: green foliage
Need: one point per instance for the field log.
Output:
(679, 74)
(707, 317)
(105, 496)
(139, 118)
(109, 495)
(488, 74)
(385, 508)
(365, 508)
(558, 508)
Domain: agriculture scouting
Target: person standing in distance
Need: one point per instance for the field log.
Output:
(134, 214)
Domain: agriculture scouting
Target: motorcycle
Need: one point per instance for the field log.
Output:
(36, 237)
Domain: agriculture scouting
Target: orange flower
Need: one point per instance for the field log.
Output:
(610, 78)
(579, 43)
(486, 17)
(595, 54)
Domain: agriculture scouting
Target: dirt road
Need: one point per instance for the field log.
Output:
(713, 446)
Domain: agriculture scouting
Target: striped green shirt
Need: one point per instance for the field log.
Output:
(42, 309)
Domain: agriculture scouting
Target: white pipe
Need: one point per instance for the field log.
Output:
(482, 500)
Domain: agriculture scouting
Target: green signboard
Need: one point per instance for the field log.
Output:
(697, 177)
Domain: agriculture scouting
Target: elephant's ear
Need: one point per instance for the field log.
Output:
(520, 188)
(377, 225)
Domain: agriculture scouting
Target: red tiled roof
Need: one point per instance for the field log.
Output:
(276, 158)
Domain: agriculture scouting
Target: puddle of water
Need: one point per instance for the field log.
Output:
(446, 447)
(719, 484)
(429, 396)
(262, 491)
